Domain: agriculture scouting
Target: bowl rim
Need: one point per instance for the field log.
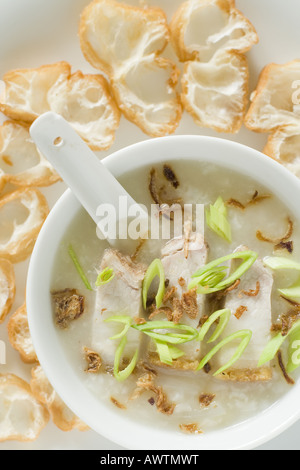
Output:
(244, 435)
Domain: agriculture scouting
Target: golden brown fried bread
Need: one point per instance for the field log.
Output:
(113, 34)
(26, 90)
(61, 415)
(86, 103)
(200, 28)
(83, 100)
(215, 93)
(284, 146)
(274, 103)
(147, 96)
(210, 36)
(7, 288)
(22, 214)
(21, 163)
(275, 108)
(125, 42)
(22, 415)
(19, 335)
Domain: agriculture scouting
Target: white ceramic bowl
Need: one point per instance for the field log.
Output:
(111, 423)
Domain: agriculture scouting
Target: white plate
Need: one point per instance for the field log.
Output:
(37, 32)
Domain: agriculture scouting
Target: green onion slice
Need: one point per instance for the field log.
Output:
(276, 263)
(120, 319)
(158, 331)
(245, 336)
(211, 278)
(155, 269)
(223, 316)
(163, 352)
(271, 349)
(292, 293)
(208, 279)
(294, 350)
(104, 277)
(175, 352)
(216, 219)
(167, 352)
(125, 373)
(79, 268)
(275, 344)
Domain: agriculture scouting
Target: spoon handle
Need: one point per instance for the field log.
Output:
(90, 181)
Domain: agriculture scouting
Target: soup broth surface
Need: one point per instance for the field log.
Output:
(233, 402)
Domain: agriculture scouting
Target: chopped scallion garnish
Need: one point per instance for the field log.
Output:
(176, 353)
(223, 316)
(120, 319)
(275, 344)
(244, 335)
(271, 349)
(125, 373)
(210, 278)
(216, 219)
(292, 293)
(155, 269)
(158, 331)
(167, 352)
(165, 341)
(294, 350)
(79, 268)
(276, 263)
(163, 352)
(104, 277)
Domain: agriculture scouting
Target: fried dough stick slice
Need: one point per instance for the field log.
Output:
(284, 146)
(147, 95)
(61, 415)
(19, 335)
(273, 104)
(200, 28)
(22, 214)
(216, 93)
(83, 100)
(7, 288)
(250, 306)
(22, 416)
(181, 258)
(26, 90)
(113, 34)
(125, 42)
(121, 296)
(210, 36)
(21, 163)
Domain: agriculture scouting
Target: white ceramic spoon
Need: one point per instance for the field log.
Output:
(79, 167)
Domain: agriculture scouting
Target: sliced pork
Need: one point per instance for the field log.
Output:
(120, 296)
(250, 305)
(181, 258)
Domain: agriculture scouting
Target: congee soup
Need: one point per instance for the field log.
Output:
(194, 333)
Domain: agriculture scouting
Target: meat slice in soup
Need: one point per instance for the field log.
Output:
(250, 306)
(181, 257)
(122, 295)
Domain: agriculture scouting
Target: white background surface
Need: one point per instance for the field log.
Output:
(38, 32)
